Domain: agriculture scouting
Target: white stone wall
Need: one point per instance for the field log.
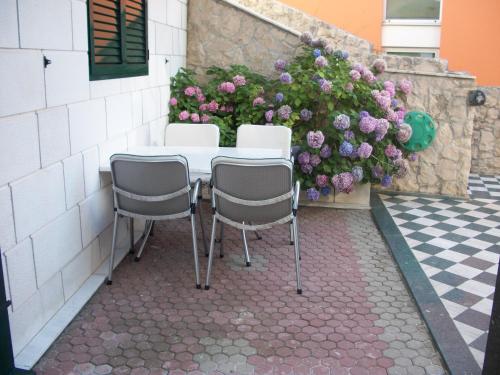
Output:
(55, 127)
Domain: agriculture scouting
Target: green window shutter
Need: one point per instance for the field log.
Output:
(118, 40)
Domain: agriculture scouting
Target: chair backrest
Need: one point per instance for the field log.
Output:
(252, 180)
(264, 136)
(150, 186)
(192, 135)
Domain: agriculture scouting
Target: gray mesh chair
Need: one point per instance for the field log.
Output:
(253, 194)
(153, 188)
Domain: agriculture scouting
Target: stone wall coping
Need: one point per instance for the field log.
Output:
(433, 74)
(251, 12)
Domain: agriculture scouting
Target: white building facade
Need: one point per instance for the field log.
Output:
(56, 126)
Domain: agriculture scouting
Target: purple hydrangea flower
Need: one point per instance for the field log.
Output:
(358, 66)
(321, 61)
(326, 86)
(386, 180)
(284, 112)
(173, 101)
(348, 135)
(205, 118)
(325, 190)
(269, 115)
(413, 156)
(306, 168)
(367, 124)
(355, 75)
(279, 97)
(315, 160)
(404, 133)
(239, 80)
(405, 86)
(304, 158)
(368, 76)
(345, 149)
(402, 167)
(363, 114)
(382, 98)
(258, 101)
(325, 152)
(184, 115)
(195, 117)
(377, 171)
(343, 182)
(379, 66)
(381, 129)
(342, 122)
(391, 151)
(305, 114)
(321, 180)
(357, 173)
(227, 87)
(312, 194)
(345, 55)
(317, 52)
(280, 65)
(286, 78)
(365, 150)
(391, 115)
(390, 88)
(315, 139)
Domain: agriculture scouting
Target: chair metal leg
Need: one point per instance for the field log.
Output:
(291, 234)
(131, 230)
(221, 248)
(245, 247)
(195, 252)
(152, 232)
(149, 227)
(297, 256)
(112, 256)
(211, 254)
(203, 232)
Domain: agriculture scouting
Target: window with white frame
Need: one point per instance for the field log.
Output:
(429, 10)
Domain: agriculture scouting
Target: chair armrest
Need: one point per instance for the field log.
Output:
(196, 189)
(296, 194)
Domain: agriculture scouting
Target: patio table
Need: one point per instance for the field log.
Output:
(199, 158)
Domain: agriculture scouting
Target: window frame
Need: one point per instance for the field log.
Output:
(412, 21)
(124, 69)
(394, 51)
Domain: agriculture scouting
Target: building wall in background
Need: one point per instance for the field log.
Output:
(55, 128)
(362, 18)
(470, 38)
(469, 32)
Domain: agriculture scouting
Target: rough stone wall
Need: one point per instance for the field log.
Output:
(255, 33)
(486, 135)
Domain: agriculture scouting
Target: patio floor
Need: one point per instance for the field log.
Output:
(355, 316)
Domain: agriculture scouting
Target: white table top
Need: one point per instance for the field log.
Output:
(199, 158)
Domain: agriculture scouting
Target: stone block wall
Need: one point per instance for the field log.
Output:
(56, 127)
(486, 135)
(257, 32)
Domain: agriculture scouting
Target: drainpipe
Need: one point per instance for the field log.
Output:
(492, 355)
(6, 355)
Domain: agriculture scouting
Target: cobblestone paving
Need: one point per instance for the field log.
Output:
(355, 316)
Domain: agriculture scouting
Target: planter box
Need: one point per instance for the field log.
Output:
(358, 199)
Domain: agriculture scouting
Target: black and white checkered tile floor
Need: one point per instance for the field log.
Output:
(457, 243)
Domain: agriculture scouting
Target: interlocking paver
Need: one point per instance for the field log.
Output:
(355, 316)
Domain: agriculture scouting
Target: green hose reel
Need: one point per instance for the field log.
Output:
(424, 131)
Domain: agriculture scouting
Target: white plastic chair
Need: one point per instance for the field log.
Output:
(192, 135)
(264, 136)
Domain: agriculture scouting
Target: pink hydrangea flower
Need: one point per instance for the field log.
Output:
(405, 86)
(205, 118)
(379, 66)
(227, 87)
(391, 151)
(173, 101)
(315, 160)
(355, 75)
(203, 107)
(258, 101)
(195, 117)
(404, 133)
(365, 150)
(343, 182)
(321, 180)
(239, 80)
(184, 115)
(213, 106)
(315, 139)
(349, 87)
(190, 91)
(269, 115)
(200, 98)
(390, 88)
(321, 61)
(367, 124)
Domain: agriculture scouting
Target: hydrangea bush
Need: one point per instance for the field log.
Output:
(232, 97)
(347, 122)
